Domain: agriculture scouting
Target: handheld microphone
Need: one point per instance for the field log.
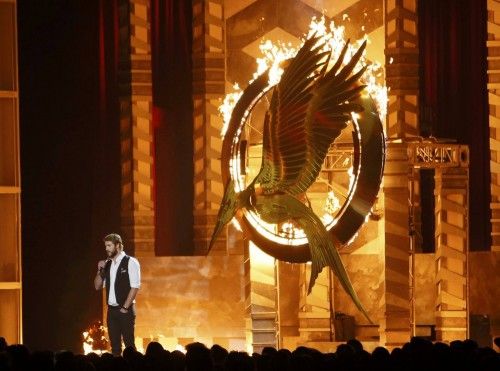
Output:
(101, 270)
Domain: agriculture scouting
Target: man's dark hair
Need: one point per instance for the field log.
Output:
(115, 238)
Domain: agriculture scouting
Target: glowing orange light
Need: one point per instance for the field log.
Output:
(274, 53)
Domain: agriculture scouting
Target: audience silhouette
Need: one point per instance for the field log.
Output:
(418, 354)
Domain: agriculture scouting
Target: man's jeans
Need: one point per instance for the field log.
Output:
(121, 324)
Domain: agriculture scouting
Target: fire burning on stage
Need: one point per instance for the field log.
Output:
(94, 339)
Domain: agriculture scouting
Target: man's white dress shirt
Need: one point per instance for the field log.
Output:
(134, 274)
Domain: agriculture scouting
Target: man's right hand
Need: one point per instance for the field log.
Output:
(101, 265)
(99, 278)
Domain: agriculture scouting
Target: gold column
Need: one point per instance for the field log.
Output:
(136, 127)
(314, 309)
(395, 323)
(451, 235)
(493, 45)
(10, 182)
(401, 54)
(260, 299)
(208, 90)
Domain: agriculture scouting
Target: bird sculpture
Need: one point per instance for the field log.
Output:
(309, 108)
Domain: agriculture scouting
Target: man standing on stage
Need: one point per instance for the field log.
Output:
(121, 275)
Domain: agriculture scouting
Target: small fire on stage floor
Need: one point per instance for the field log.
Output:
(95, 339)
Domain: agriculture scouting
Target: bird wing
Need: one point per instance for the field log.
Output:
(284, 143)
(308, 112)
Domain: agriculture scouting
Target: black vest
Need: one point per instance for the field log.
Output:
(122, 281)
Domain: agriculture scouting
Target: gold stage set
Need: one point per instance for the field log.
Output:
(10, 182)
(238, 296)
(243, 299)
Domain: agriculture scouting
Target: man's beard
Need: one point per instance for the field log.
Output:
(112, 254)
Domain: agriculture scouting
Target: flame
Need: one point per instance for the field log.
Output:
(91, 344)
(88, 344)
(332, 203)
(226, 108)
(333, 38)
(273, 56)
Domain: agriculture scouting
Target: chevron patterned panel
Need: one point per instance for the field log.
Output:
(260, 298)
(451, 194)
(401, 62)
(493, 45)
(395, 324)
(136, 126)
(401, 43)
(314, 309)
(208, 90)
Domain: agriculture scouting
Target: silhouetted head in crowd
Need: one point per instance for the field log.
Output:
(64, 360)
(281, 360)
(120, 364)
(457, 345)
(18, 355)
(239, 361)
(345, 351)
(382, 353)
(219, 355)
(397, 354)
(135, 359)
(41, 361)
(93, 358)
(470, 345)
(269, 351)
(305, 358)
(198, 357)
(355, 345)
(107, 356)
(420, 344)
(154, 349)
(81, 363)
(301, 362)
(3, 344)
(130, 352)
(177, 360)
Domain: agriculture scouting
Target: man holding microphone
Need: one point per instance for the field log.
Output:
(121, 275)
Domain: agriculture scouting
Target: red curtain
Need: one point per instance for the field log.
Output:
(172, 116)
(453, 95)
(107, 169)
(173, 129)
